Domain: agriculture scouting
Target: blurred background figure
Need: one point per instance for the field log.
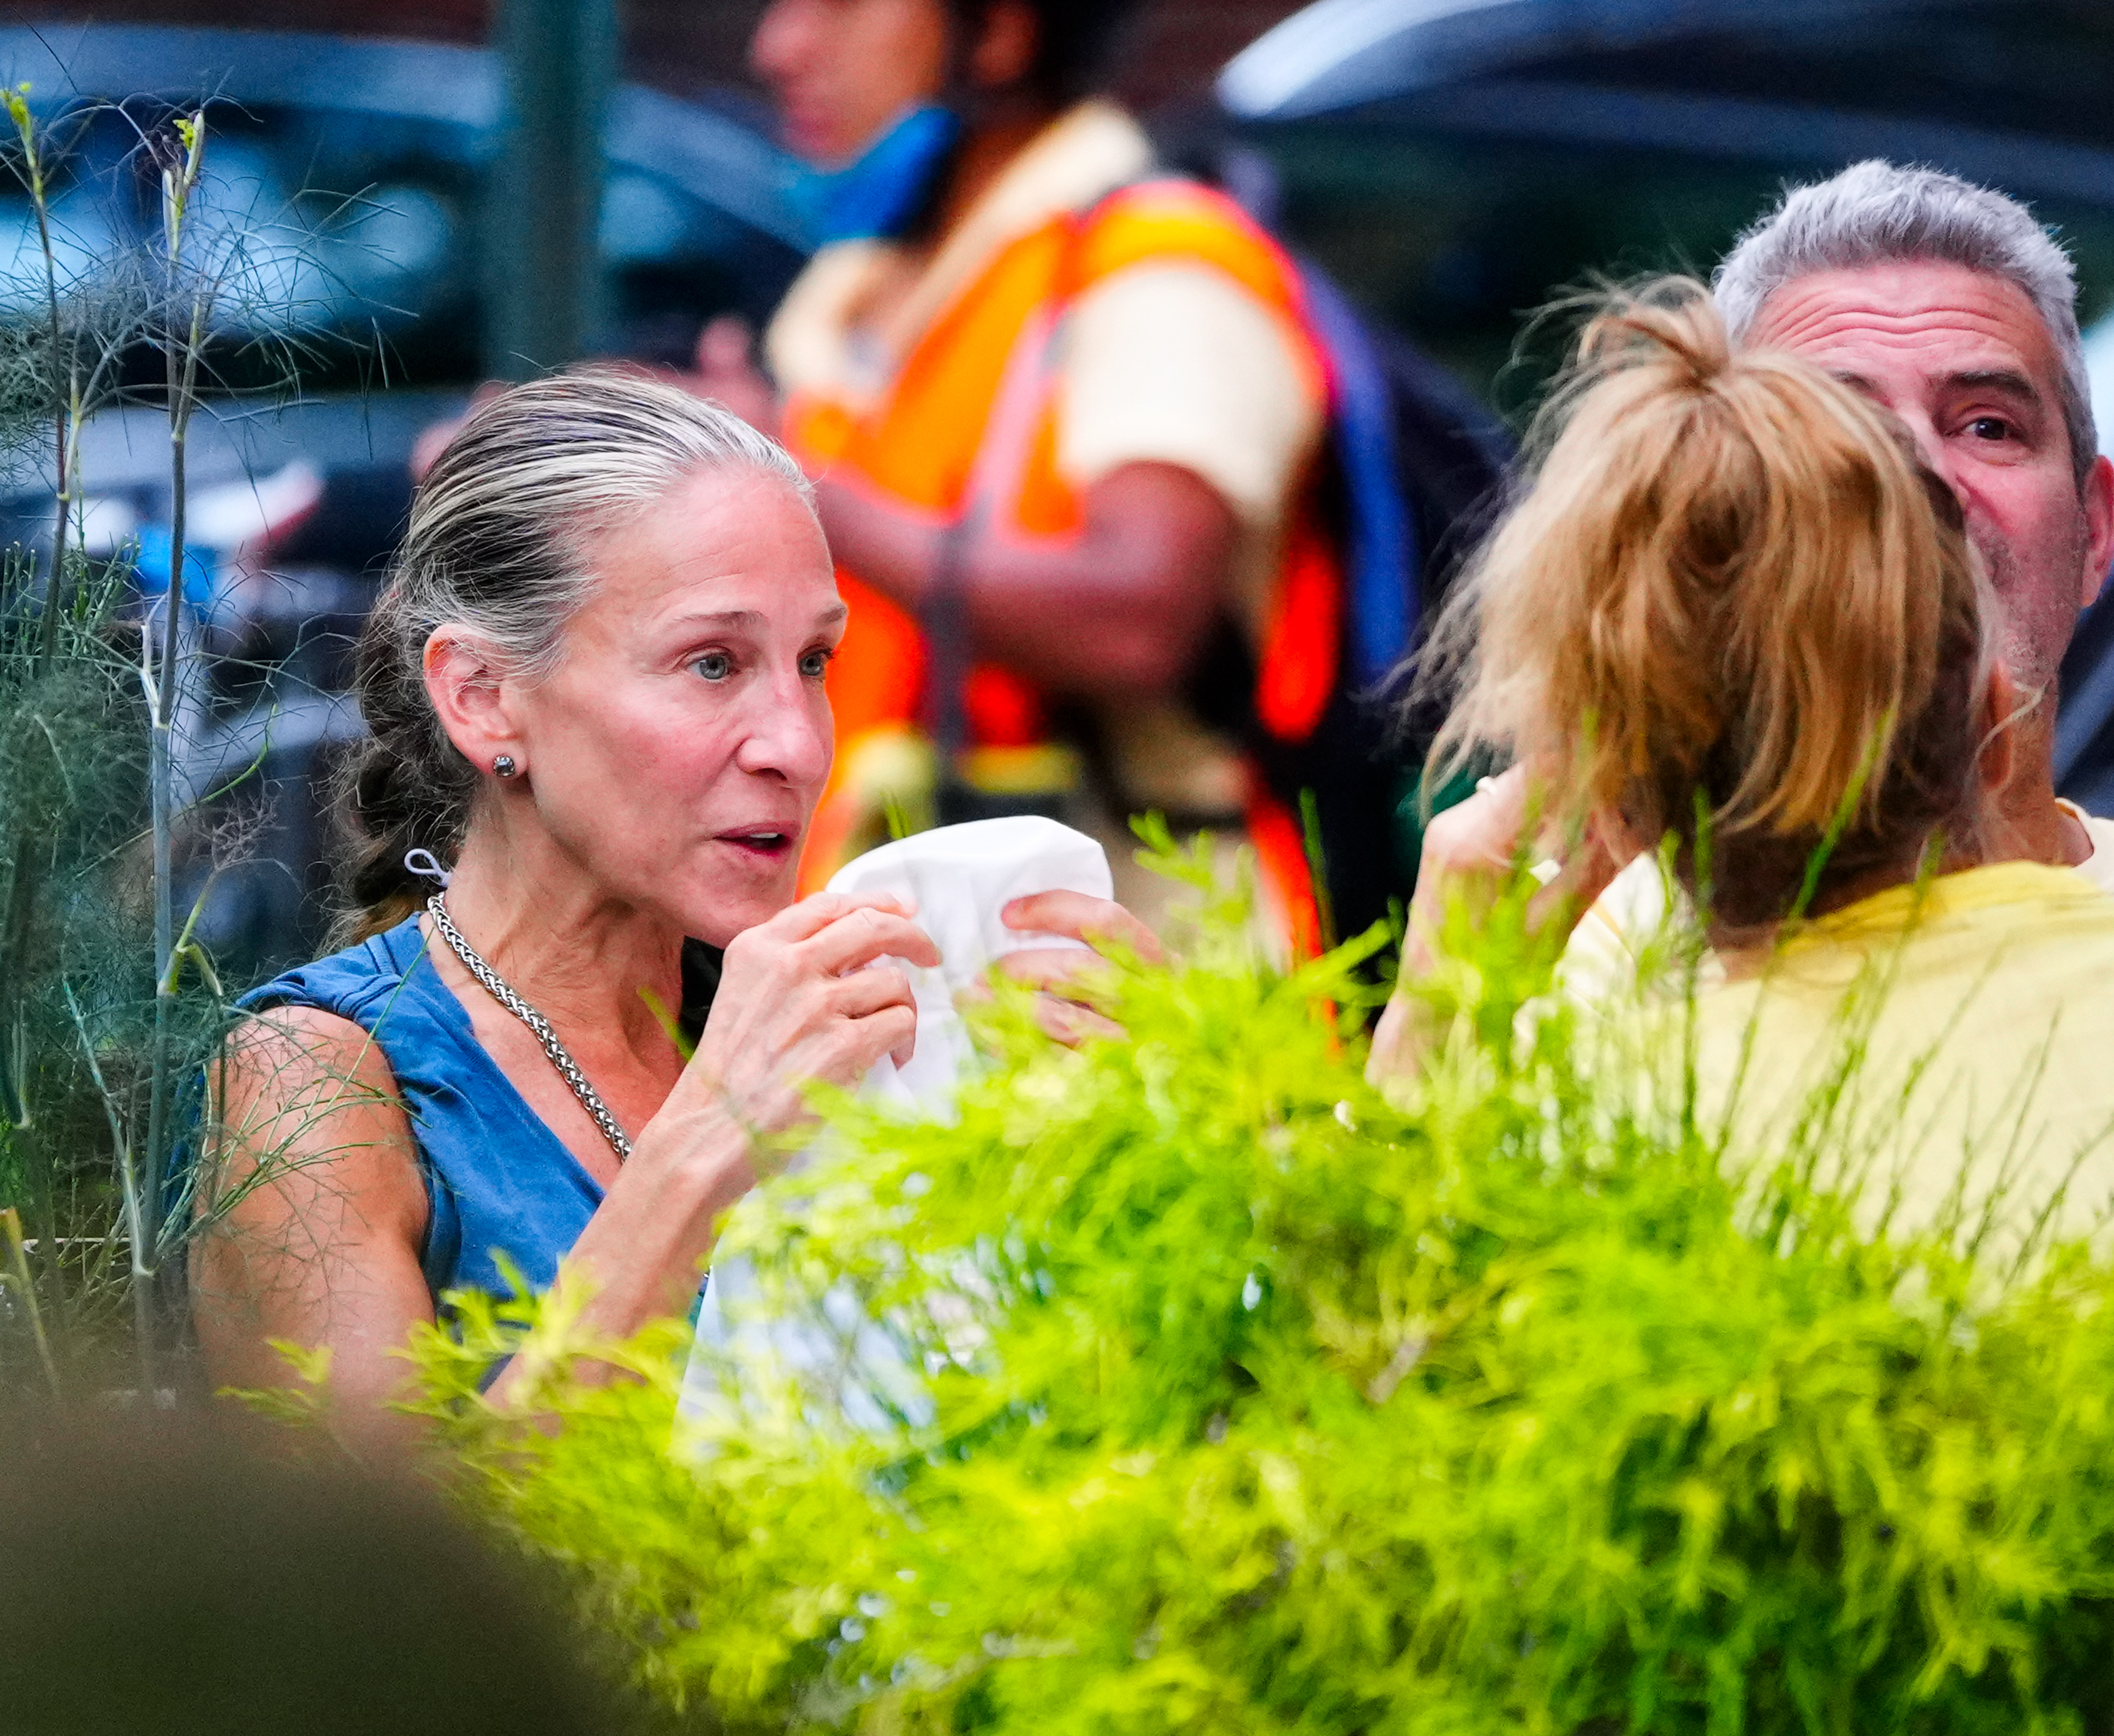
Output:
(1449, 162)
(1068, 411)
(164, 1576)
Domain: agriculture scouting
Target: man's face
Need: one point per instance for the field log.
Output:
(1964, 360)
(841, 70)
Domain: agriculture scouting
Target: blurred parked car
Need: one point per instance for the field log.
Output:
(360, 165)
(1456, 162)
(348, 178)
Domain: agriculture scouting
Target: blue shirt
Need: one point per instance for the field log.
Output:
(498, 1181)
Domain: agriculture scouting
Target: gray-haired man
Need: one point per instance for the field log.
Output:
(1950, 305)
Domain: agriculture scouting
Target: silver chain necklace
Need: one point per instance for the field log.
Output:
(495, 985)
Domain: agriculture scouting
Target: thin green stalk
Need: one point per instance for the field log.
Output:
(181, 352)
(132, 1194)
(18, 1270)
(1317, 869)
(31, 172)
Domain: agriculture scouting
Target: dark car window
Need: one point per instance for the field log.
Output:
(1454, 208)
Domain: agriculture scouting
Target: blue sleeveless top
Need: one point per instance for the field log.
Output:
(498, 1181)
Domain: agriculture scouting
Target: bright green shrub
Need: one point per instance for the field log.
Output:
(1255, 1404)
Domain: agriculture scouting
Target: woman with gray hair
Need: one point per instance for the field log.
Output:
(598, 729)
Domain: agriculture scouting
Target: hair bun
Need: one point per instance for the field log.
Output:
(1668, 320)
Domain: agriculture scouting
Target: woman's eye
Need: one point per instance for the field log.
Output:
(815, 664)
(714, 666)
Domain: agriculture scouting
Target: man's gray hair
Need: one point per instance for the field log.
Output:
(1878, 212)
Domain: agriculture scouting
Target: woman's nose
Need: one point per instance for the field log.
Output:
(788, 736)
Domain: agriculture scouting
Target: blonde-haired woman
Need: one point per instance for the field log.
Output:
(1732, 608)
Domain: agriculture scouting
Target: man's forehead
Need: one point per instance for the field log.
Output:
(1939, 318)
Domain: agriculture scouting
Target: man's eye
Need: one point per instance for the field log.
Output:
(715, 665)
(815, 664)
(1989, 427)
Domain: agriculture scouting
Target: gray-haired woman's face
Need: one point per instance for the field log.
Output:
(680, 747)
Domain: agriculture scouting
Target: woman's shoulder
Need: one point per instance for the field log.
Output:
(354, 983)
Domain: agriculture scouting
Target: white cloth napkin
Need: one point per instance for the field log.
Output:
(960, 878)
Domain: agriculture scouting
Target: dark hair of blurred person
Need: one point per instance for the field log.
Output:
(1106, 544)
(159, 1574)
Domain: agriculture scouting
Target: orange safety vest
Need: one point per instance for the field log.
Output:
(970, 423)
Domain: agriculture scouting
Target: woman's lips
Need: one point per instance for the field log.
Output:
(763, 842)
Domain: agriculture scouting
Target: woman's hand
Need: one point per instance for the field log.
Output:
(1470, 853)
(1059, 974)
(797, 1005)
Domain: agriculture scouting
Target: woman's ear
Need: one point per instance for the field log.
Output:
(463, 681)
(2002, 706)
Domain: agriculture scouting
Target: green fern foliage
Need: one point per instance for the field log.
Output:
(1182, 1383)
(73, 979)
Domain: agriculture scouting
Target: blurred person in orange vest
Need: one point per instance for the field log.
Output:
(1065, 412)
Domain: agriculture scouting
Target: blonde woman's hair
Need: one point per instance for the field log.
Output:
(1729, 589)
(498, 542)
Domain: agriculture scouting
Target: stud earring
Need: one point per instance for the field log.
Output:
(504, 766)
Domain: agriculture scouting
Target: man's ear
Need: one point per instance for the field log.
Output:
(2001, 714)
(463, 681)
(1004, 51)
(2098, 493)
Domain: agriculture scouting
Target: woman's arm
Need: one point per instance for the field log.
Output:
(312, 1211)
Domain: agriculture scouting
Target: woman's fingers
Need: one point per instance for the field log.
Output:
(1468, 855)
(1472, 852)
(806, 996)
(1071, 1024)
(1059, 968)
(798, 1003)
(1059, 975)
(855, 1040)
(892, 1032)
(859, 993)
(811, 915)
(1482, 834)
(1079, 917)
(860, 936)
